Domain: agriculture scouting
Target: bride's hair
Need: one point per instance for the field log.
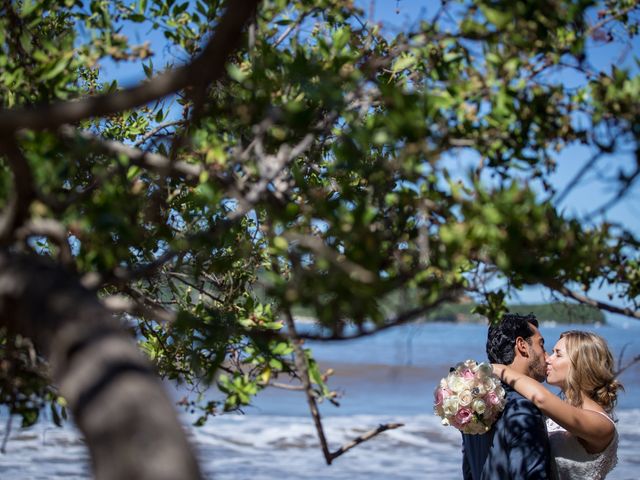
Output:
(590, 370)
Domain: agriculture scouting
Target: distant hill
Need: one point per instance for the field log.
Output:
(546, 312)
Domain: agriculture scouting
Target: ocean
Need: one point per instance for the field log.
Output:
(385, 378)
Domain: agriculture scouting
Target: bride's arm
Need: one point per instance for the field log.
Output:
(588, 425)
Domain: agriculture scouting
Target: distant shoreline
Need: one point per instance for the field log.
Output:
(556, 313)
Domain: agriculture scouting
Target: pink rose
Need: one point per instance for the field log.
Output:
(467, 374)
(441, 394)
(492, 399)
(463, 416)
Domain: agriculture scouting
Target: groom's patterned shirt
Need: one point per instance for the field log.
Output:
(517, 447)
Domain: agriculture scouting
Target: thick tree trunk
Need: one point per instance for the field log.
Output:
(118, 403)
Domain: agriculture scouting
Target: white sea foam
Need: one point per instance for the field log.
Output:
(262, 447)
(287, 446)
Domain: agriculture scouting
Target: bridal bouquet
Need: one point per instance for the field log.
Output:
(470, 398)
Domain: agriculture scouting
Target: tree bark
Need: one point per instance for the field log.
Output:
(120, 406)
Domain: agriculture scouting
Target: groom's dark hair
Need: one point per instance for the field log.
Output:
(502, 336)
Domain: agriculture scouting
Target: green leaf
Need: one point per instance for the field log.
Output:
(28, 7)
(29, 417)
(58, 68)
(496, 16)
(405, 60)
(236, 73)
(280, 243)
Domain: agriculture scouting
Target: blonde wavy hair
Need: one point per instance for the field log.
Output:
(591, 370)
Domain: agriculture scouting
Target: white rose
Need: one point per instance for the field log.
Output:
(479, 406)
(450, 405)
(489, 384)
(485, 369)
(456, 384)
(465, 398)
(470, 364)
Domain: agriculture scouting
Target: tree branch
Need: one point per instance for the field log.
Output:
(399, 320)
(202, 71)
(137, 307)
(606, 20)
(117, 401)
(47, 227)
(151, 161)
(303, 371)
(316, 245)
(17, 209)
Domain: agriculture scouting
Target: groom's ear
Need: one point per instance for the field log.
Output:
(522, 347)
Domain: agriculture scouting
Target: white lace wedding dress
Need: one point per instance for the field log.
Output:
(573, 462)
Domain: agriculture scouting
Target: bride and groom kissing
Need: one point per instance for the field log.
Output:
(540, 435)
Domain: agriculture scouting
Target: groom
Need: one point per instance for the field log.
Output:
(517, 446)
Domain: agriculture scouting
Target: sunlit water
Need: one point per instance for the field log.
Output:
(386, 378)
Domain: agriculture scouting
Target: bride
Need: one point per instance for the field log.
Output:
(582, 435)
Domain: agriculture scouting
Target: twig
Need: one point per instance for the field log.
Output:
(293, 26)
(3, 449)
(628, 183)
(154, 131)
(364, 437)
(271, 167)
(633, 361)
(184, 279)
(574, 181)
(624, 347)
(285, 386)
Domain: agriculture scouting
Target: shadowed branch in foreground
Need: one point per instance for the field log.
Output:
(116, 400)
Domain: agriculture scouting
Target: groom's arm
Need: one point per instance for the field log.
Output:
(529, 456)
(466, 469)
